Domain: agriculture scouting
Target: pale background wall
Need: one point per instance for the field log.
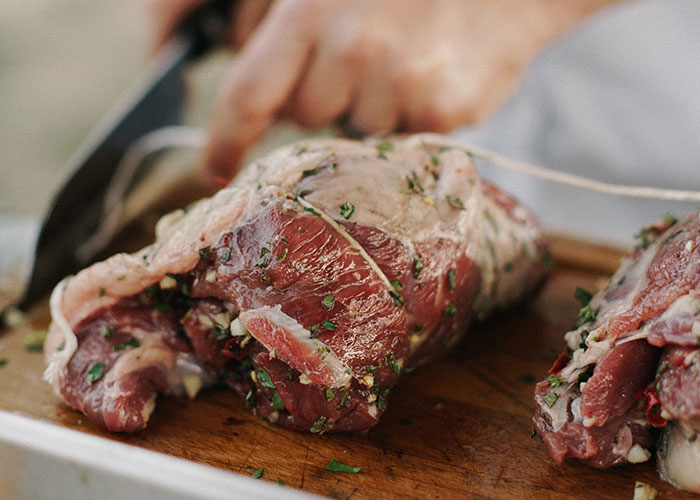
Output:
(62, 63)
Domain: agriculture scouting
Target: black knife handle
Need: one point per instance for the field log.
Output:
(207, 26)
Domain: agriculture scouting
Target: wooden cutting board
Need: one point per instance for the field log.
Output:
(459, 428)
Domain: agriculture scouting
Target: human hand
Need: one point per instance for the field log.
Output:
(410, 65)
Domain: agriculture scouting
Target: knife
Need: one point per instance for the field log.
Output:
(153, 101)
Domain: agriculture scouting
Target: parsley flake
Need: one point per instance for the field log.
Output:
(417, 265)
(312, 210)
(550, 398)
(582, 295)
(328, 301)
(455, 202)
(314, 331)
(335, 466)
(258, 473)
(94, 373)
(452, 278)
(204, 253)
(133, 342)
(328, 324)
(346, 210)
(556, 381)
(451, 310)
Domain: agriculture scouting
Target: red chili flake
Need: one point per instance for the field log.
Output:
(652, 407)
(560, 363)
(221, 181)
(231, 349)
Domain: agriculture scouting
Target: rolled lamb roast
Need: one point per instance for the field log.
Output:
(308, 286)
(632, 380)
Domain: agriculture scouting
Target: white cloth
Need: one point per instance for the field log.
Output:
(617, 100)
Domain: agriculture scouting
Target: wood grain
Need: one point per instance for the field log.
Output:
(459, 428)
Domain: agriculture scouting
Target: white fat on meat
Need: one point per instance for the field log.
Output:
(678, 458)
(287, 338)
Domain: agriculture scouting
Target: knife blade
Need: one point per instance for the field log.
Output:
(153, 101)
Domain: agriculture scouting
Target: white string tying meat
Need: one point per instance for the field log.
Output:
(583, 182)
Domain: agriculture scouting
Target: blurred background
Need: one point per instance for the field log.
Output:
(62, 64)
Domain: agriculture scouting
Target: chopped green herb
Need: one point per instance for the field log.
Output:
(133, 342)
(346, 210)
(328, 301)
(298, 150)
(328, 324)
(284, 255)
(555, 381)
(323, 352)
(385, 146)
(315, 333)
(94, 373)
(508, 267)
(433, 159)
(258, 473)
(204, 253)
(106, 331)
(284, 239)
(550, 398)
(280, 482)
(277, 402)
(451, 310)
(311, 171)
(344, 401)
(417, 265)
(582, 295)
(220, 332)
(224, 254)
(547, 260)
(398, 299)
(264, 379)
(692, 438)
(492, 221)
(312, 210)
(3, 361)
(34, 341)
(319, 426)
(585, 375)
(335, 466)
(330, 394)
(264, 258)
(452, 278)
(584, 336)
(443, 149)
(163, 307)
(414, 183)
(374, 368)
(586, 314)
(455, 202)
(102, 292)
(397, 285)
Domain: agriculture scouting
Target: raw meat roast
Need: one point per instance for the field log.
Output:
(633, 377)
(308, 286)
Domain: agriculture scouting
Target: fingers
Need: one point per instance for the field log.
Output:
(247, 16)
(256, 87)
(167, 15)
(376, 107)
